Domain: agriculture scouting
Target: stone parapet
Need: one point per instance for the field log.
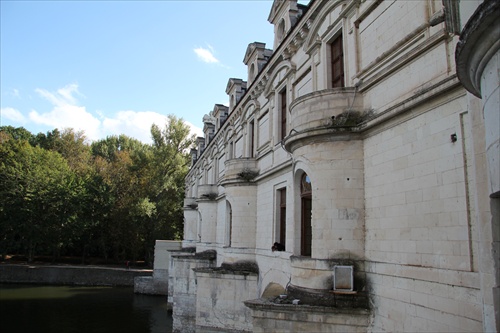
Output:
(220, 297)
(271, 317)
(184, 287)
(207, 192)
(324, 114)
(190, 203)
(479, 41)
(240, 170)
(317, 274)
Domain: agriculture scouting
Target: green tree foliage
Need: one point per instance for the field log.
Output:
(37, 186)
(112, 198)
(17, 133)
(70, 144)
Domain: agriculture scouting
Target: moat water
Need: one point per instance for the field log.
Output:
(77, 309)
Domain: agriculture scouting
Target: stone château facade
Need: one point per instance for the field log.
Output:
(354, 145)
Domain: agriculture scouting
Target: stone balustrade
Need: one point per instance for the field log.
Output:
(240, 170)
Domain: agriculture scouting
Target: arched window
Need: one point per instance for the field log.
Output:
(251, 74)
(306, 216)
(281, 30)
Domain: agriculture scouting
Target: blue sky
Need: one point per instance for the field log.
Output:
(116, 67)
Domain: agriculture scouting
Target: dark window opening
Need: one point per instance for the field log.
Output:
(306, 218)
(283, 108)
(337, 62)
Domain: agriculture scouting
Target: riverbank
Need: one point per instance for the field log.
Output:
(70, 275)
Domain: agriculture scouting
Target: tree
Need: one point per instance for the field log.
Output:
(17, 133)
(112, 198)
(169, 166)
(34, 205)
(70, 144)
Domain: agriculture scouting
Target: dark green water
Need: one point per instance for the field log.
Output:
(61, 309)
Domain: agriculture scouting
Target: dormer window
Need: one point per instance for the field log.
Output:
(251, 73)
(280, 33)
(235, 89)
(284, 15)
(256, 58)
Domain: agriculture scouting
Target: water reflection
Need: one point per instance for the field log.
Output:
(28, 308)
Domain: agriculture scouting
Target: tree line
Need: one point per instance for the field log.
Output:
(112, 198)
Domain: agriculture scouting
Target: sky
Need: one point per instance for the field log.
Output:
(117, 67)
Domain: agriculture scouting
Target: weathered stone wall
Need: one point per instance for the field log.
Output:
(269, 317)
(220, 297)
(419, 221)
(424, 299)
(416, 191)
(70, 275)
(184, 289)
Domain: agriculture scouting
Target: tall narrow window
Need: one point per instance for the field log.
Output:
(251, 138)
(251, 74)
(229, 223)
(283, 108)
(306, 219)
(231, 150)
(282, 216)
(337, 62)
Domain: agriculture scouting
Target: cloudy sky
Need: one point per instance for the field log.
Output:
(113, 67)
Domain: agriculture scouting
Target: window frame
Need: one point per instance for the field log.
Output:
(336, 60)
(305, 216)
(283, 106)
(281, 227)
(251, 138)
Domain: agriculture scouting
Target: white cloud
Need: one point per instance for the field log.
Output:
(206, 55)
(66, 113)
(69, 116)
(12, 114)
(133, 124)
(137, 124)
(63, 96)
(194, 129)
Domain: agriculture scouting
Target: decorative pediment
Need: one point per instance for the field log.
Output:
(231, 83)
(252, 49)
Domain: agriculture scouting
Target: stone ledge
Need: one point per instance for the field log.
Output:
(245, 268)
(326, 298)
(266, 305)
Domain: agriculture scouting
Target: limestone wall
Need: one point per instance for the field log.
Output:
(302, 318)
(220, 297)
(184, 289)
(416, 191)
(401, 189)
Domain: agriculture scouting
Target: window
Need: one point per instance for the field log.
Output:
(283, 108)
(281, 30)
(337, 62)
(229, 223)
(251, 138)
(306, 218)
(251, 74)
(282, 216)
(230, 153)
